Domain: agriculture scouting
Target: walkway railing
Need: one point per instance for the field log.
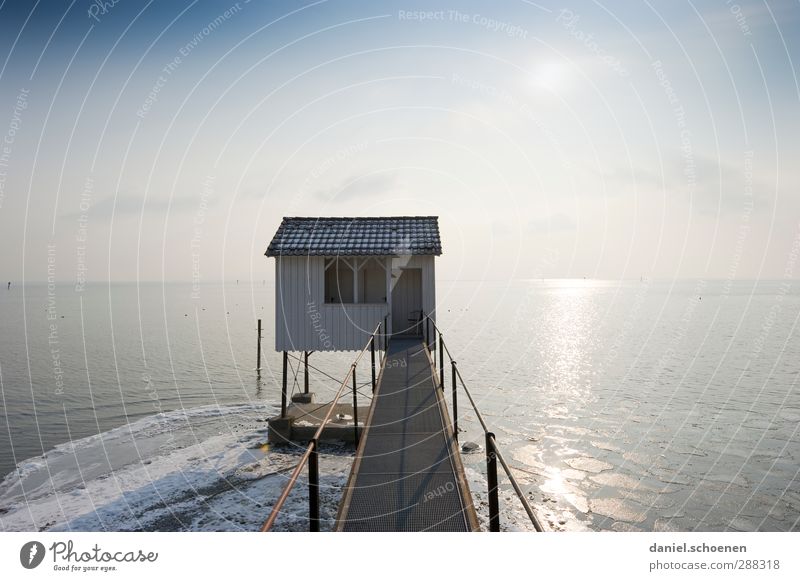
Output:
(311, 454)
(493, 453)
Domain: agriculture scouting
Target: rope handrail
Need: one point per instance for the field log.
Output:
(471, 401)
(493, 452)
(312, 445)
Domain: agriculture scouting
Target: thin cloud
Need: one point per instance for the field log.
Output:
(711, 185)
(557, 222)
(125, 205)
(366, 186)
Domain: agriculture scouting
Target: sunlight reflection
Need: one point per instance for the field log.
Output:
(569, 333)
(558, 485)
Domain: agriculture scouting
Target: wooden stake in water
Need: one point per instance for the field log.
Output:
(258, 348)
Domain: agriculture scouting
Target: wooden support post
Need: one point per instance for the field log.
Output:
(258, 348)
(305, 374)
(284, 386)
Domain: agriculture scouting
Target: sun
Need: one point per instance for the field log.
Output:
(550, 75)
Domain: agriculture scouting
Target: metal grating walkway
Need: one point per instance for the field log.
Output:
(407, 475)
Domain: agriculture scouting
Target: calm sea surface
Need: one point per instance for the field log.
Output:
(622, 406)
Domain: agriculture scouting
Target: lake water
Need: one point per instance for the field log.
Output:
(621, 405)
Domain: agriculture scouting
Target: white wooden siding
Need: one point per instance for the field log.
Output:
(304, 322)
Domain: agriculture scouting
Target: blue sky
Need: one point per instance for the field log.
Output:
(157, 140)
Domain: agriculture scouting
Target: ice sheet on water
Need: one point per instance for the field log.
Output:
(68, 465)
(163, 472)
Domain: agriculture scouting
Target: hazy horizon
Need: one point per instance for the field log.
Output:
(271, 280)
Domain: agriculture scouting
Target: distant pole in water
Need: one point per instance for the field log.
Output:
(258, 348)
(9, 286)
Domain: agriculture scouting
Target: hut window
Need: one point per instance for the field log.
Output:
(372, 283)
(355, 280)
(339, 281)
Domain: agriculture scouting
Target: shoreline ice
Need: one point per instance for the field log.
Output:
(205, 469)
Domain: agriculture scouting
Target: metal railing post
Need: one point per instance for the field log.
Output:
(284, 386)
(455, 401)
(427, 333)
(372, 355)
(491, 478)
(355, 405)
(313, 487)
(441, 361)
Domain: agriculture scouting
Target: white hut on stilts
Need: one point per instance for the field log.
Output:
(336, 279)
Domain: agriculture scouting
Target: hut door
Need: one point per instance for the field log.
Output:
(407, 302)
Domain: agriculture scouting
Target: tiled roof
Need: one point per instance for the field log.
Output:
(357, 236)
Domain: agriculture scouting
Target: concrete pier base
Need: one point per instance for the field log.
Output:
(303, 420)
